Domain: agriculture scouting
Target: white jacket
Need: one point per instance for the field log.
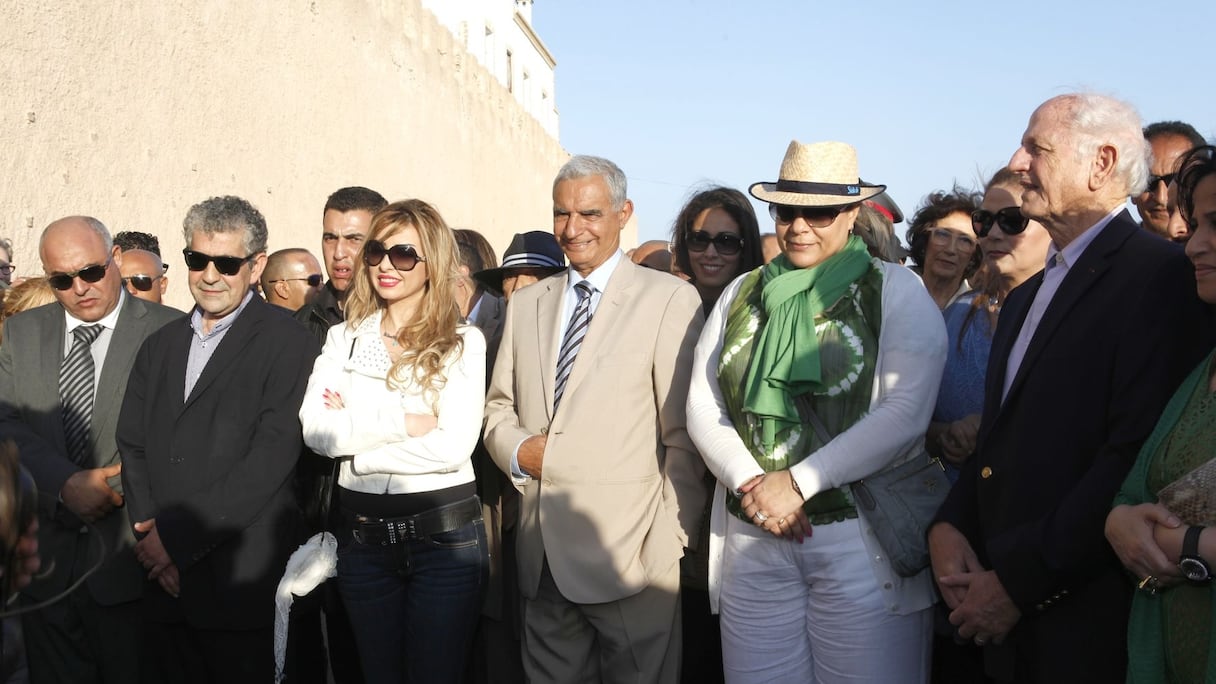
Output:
(911, 355)
(370, 428)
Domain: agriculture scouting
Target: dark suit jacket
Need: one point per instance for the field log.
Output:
(215, 470)
(1124, 328)
(30, 357)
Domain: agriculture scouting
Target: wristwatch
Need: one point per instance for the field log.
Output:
(1192, 565)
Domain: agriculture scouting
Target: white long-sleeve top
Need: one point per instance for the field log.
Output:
(911, 355)
(370, 428)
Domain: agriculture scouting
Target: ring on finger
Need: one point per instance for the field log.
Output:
(760, 517)
(980, 641)
(1149, 584)
(782, 523)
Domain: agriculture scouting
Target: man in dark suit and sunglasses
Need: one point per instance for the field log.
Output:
(210, 434)
(63, 373)
(292, 279)
(143, 274)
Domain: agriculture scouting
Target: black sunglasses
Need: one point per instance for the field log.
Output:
(1154, 180)
(226, 265)
(402, 257)
(143, 283)
(815, 217)
(1010, 219)
(89, 274)
(727, 244)
(312, 280)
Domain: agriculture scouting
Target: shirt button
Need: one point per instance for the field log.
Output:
(986, 472)
(546, 482)
(886, 585)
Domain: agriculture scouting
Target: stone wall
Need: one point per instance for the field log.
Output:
(131, 112)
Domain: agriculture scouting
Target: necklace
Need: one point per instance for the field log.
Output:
(392, 339)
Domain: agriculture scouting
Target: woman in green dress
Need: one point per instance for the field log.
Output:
(1171, 554)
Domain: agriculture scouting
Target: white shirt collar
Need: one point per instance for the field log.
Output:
(1076, 248)
(109, 321)
(597, 278)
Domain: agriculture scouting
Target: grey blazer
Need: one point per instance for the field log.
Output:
(30, 355)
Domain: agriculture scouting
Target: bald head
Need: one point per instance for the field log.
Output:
(285, 280)
(80, 248)
(144, 275)
(653, 254)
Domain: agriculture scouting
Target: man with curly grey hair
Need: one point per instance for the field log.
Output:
(210, 438)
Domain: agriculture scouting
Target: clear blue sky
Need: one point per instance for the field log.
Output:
(682, 93)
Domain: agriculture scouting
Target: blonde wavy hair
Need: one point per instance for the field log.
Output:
(428, 339)
(28, 294)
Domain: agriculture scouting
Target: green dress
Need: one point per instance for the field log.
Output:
(1170, 635)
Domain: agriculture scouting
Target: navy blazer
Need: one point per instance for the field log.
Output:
(215, 469)
(1122, 331)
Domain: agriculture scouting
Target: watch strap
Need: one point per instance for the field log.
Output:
(1190, 542)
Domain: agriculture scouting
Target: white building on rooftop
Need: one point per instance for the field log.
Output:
(499, 34)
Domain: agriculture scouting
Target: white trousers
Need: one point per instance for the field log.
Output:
(813, 612)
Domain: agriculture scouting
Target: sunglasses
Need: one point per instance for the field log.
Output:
(143, 283)
(312, 280)
(1154, 180)
(815, 217)
(226, 265)
(402, 257)
(1010, 220)
(727, 244)
(89, 274)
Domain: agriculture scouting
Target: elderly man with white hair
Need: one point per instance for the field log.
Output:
(1084, 357)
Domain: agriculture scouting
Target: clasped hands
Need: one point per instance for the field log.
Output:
(980, 608)
(1146, 537)
(774, 504)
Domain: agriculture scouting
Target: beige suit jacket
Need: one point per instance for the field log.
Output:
(620, 493)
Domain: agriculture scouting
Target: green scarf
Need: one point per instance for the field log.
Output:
(786, 361)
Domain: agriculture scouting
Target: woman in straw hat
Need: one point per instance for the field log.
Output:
(823, 328)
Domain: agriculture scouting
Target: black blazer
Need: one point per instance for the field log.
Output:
(215, 470)
(30, 414)
(1123, 330)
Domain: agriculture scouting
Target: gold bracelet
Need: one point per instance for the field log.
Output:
(797, 489)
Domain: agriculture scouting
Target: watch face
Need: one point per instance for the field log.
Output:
(1194, 569)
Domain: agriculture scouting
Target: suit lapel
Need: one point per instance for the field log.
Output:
(244, 329)
(1081, 277)
(124, 343)
(1009, 325)
(606, 317)
(49, 359)
(549, 310)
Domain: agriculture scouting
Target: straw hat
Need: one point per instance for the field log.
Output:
(533, 249)
(821, 174)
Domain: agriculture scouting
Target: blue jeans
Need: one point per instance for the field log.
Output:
(414, 605)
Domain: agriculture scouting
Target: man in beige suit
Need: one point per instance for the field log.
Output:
(585, 413)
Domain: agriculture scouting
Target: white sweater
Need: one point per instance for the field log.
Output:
(911, 355)
(371, 427)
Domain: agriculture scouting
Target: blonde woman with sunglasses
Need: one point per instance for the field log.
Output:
(397, 397)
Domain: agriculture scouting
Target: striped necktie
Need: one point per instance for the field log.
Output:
(573, 340)
(76, 392)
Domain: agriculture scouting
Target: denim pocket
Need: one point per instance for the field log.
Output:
(468, 535)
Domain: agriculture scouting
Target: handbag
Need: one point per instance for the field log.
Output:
(1192, 497)
(899, 503)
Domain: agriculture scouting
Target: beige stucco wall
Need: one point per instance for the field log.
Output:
(132, 112)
